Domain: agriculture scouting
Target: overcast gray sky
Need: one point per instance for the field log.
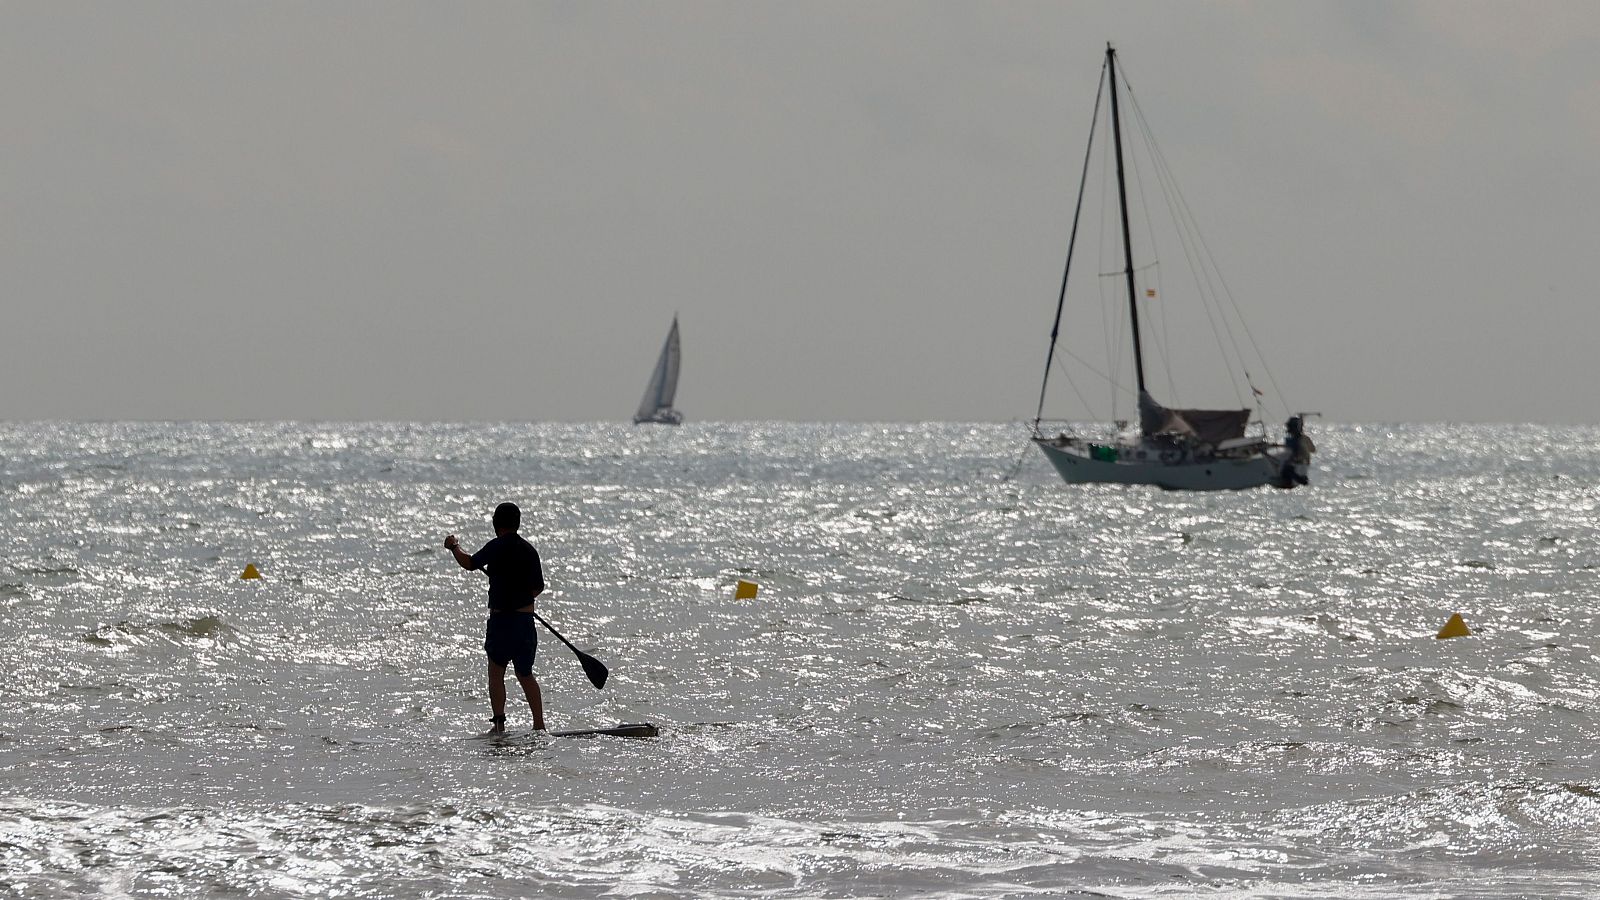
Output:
(492, 210)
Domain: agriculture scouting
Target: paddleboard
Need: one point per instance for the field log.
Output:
(637, 730)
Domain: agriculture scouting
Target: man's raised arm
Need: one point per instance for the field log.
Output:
(462, 557)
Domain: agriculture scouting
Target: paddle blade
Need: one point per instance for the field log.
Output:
(595, 669)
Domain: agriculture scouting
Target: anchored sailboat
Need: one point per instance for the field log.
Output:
(656, 407)
(1188, 449)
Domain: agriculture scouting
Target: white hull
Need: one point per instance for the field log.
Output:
(660, 417)
(1217, 474)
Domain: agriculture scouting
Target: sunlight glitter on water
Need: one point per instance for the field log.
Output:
(949, 684)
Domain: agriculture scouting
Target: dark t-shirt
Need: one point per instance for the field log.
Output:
(515, 575)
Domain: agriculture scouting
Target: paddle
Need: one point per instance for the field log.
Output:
(594, 668)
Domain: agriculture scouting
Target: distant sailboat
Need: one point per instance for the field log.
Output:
(1184, 449)
(656, 407)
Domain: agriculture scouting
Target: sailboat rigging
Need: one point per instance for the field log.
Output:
(1188, 449)
(656, 406)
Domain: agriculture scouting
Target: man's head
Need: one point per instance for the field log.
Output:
(507, 517)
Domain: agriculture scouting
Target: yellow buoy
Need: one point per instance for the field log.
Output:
(250, 571)
(1456, 627)
(746, 590)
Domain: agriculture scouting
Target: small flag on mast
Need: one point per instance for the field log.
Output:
(1150, 292)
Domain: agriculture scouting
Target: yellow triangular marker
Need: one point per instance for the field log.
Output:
(746, 590)
(250, 571)
(1456, 627)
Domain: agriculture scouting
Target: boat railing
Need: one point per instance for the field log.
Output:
(1078, 431)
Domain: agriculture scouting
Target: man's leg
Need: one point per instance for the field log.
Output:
(497, 695)
(530, 686)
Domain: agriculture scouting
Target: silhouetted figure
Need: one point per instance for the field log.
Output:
(1300, 448)
(515, 579)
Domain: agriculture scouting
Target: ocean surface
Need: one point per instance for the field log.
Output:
(952, 683)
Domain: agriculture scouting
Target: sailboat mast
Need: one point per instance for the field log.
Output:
(1122, 199)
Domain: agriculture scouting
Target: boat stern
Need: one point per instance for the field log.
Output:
(1295, 466)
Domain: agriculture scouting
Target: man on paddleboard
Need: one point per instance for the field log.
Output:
(515, 578)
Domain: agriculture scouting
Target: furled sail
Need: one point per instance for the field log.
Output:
(663, 386)
(1207, 426)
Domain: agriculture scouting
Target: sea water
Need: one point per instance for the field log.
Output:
(952, 682)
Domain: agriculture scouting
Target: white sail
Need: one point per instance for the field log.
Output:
(656, 405)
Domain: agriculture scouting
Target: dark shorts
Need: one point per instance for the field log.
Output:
(510, 638)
